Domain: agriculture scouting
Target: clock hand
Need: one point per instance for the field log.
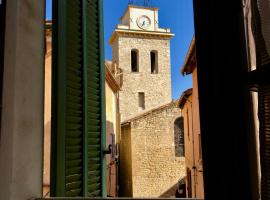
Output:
(143, 23)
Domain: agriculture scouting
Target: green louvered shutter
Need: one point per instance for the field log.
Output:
(96, 80)
(78, 118)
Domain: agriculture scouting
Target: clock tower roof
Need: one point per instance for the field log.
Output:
(129, 7)
(142, 21)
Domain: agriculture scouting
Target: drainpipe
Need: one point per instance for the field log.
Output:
(193, 151)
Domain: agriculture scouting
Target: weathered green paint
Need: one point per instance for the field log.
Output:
(57, 187)
(94, 100)
(78, 123)
(85, 135)
(102, 85)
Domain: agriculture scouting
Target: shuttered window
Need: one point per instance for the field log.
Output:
(78, 128)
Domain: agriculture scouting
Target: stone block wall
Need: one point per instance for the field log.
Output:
(155, 168)
(157, 87)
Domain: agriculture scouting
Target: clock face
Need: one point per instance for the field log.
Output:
(143, 22)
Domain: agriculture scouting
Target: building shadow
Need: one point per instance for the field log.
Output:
(111, 162)
(178, 190)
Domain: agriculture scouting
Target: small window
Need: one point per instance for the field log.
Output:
(141, 101)
(154, 63)
(134, 60)
(179, 137)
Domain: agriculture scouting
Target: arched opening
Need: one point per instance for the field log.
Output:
(179, 137)
(134, 60)
(154, 62)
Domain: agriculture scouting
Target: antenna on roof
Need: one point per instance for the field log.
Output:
(145, 3)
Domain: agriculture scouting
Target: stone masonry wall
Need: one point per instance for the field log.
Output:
(155, 168)
(157, 87)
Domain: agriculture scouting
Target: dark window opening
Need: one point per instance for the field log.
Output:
(141, 100)
(179, 137)
(134, 60)
(154, 63)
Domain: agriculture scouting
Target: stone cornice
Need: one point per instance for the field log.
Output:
(141, 34)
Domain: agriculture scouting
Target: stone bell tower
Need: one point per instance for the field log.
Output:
(142, 50)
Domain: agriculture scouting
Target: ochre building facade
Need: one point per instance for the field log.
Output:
(112, 87)
(189, 103)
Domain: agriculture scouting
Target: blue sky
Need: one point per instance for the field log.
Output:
(174, 14)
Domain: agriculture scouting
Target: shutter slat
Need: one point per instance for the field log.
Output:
(94, 180)
(93, 129)
(96, 193)
(93, 97)
(94, 186)
(74, 156)
(73, 171)
(73, 141)
(73, 185)
(74, 178)
(73, 149)
(74, 193)
(73, 163)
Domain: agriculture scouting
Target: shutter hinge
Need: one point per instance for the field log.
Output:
(108, 150)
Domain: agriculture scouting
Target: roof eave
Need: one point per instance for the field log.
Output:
(187, 68)
(183, 98)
